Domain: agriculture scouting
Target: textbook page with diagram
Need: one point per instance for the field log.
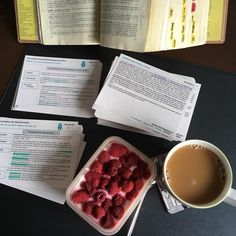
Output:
(135, 25)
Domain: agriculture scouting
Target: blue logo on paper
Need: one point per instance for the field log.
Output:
(59, 127)
(83, 64)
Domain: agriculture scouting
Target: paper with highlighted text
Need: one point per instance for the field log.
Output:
(40, 156)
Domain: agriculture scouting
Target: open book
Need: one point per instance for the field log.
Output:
(136, 25)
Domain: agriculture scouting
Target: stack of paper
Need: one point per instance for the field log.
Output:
(60, 86)
(142, 98)
(39, 156)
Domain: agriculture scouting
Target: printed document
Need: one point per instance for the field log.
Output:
(149, 100)
(60, 86)
(40, 156)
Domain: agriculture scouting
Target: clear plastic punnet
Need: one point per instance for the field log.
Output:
(110, 185)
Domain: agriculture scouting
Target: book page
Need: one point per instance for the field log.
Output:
(157, 24)
(217, 21)
(26, 21)
(186, 24)
(124, 24)
(69, 22)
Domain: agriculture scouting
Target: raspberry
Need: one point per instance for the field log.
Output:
(138, 184)
(86, 185)
(115, 163)
(146, 174)
(125, 172)
(110, 170)
(132, 159)
(118, 200)
(137, 173)
(113, 188)
(117, 178)
(142, 165)
(117, 150)
(107, 221)
(123, 162)
(107, 204)
(103, 182)
(93, 178)
(99, 196)
(127, 186)
(96, 166)
(104, 157)
(80, 196)
(98, 212)
(117, 211)
(111, 167)
(87, 207)
(131, 195)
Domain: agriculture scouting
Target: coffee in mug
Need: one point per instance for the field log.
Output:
(198, 174)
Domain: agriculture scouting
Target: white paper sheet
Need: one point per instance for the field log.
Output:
(146, 98)
(60, 86)
(39, 156)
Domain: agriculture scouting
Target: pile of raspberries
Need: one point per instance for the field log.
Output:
(112, 182)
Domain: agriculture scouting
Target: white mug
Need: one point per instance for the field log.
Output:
(228, 194)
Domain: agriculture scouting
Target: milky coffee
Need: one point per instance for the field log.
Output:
(195, 174)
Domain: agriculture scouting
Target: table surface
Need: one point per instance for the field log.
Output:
(213, 120)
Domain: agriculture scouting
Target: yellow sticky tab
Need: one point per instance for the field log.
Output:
(27, 21)
(216, 21)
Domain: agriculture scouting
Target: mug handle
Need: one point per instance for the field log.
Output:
(231, 197)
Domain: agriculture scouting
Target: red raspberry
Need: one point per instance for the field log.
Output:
(96, 166)
(117, 150)
(107, 221)
(142, 165)
(131, 195)
(123, 162)
(115, 163)
(87, 207)
(107, 204)
(127, 186)
(99, 196)
(98, 212)
(113, 188)
(104, 182)
(93, 178)
(118, 200)
(138, 184)
(132, 159)
(146, 173)
(104, 157)
(137, 173)
(88, 187)
(117, 211)
(80, 196)
(125, 172)
(117, 178)
(111, 167)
